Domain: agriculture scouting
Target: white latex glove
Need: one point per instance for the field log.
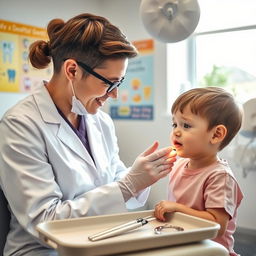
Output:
(149, 167)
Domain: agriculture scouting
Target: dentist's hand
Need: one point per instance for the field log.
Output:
(149, 167)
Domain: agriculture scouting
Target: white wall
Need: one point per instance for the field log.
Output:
(39, 13)
(134, 136)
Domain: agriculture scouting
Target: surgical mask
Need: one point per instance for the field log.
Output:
(77, 106)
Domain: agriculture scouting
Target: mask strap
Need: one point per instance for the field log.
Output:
(72, 87)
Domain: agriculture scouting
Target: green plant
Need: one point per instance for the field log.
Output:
(217, 77)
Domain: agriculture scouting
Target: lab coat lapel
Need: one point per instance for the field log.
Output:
(51, 116)
(96, 143)
(69, 138)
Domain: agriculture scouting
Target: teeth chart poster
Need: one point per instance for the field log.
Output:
(16, 72)
(135, 94)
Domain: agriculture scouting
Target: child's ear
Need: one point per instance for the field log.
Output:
(219, 133)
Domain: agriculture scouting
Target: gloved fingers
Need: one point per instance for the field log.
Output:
(158, 154)
(151, 149)
(161, 174)
(173, 153)
(160, 171)
(166, 160)
(163, 170)
(171, 159)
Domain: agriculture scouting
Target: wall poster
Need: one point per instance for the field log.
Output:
(135, 101)
(16, 72)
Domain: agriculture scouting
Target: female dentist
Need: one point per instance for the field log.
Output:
(59, 154)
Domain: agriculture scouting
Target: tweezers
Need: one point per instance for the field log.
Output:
(120, 229)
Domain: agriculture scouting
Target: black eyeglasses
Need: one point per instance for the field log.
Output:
(112, 85)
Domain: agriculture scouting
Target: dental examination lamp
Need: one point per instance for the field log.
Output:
(248, 130)
(170, 21)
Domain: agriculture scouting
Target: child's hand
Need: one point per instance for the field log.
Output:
(164, 206)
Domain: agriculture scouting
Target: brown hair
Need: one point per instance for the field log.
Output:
(86, 37)
(214, 104)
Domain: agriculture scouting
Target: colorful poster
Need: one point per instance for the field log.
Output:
(135, 99)
(16, 72)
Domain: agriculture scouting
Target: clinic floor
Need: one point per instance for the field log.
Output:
(245, 244)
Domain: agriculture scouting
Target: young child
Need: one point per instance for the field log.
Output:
(201, 184)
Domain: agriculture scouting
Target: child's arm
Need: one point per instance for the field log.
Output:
(218, 215)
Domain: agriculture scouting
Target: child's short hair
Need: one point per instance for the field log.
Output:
(216, 105)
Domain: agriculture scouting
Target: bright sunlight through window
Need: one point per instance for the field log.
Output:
(221, 52)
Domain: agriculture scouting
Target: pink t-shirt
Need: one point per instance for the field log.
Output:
(213, 186)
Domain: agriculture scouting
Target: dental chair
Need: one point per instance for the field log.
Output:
(4, 220)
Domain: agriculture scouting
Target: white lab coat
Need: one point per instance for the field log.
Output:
(47, 174)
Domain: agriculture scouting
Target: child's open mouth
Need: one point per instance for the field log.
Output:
(177, 144)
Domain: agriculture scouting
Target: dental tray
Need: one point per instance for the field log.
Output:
(70, 236)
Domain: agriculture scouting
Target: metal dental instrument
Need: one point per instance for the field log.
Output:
(120, 229)
(158, 229)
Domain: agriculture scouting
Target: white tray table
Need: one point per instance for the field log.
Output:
(70, 237)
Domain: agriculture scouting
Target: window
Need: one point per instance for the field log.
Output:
(221, 52)
(227, 59)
